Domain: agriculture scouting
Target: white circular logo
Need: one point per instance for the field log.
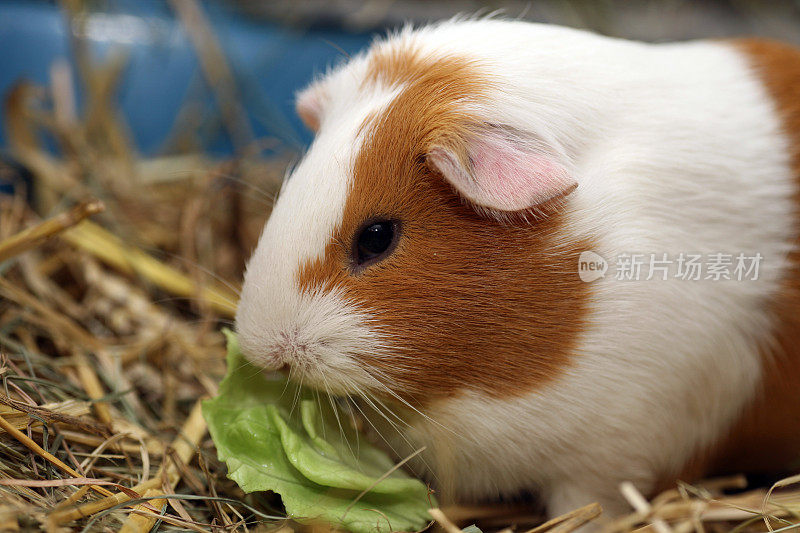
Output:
(591, 266)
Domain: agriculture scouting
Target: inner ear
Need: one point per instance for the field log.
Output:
(503, 172)
(310, 104)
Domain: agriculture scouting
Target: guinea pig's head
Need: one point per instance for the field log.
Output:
(418, 249)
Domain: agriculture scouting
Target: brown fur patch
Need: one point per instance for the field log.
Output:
(767, 436)
(464, 300)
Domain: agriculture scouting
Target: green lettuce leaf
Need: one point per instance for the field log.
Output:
(276, 436)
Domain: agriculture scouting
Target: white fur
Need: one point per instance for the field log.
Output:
(676, 148)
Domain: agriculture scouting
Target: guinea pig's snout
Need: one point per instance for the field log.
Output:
(318, 335)
(280, 351)
(292, 349)
(274, 358)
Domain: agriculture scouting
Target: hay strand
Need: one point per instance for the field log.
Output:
(142, 521)
(109, 249)
(443, 521)
(571, 520)
(38, 450)
(36, 235)
(184, 446)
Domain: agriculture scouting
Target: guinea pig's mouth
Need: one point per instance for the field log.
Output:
(315, 365)
(318, 338)
(316, 378)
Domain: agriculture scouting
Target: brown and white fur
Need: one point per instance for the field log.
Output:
(505, 149)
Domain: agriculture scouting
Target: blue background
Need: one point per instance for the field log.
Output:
(270, 63)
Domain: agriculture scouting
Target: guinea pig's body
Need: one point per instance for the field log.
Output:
(489, 155)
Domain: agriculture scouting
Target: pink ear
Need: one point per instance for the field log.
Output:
(309, 104)
(501, 172)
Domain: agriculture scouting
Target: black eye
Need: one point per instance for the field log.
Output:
(375, 241)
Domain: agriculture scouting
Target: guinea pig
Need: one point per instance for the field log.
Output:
(456, 245)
